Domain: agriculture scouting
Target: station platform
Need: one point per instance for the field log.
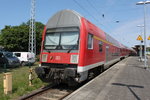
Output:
(126, 80)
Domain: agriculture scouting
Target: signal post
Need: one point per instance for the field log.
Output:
(139, 38)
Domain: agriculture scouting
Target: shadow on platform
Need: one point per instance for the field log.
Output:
(130, 88)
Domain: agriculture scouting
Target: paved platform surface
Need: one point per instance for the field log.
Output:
(126, 80)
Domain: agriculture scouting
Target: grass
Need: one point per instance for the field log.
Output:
(20, 83)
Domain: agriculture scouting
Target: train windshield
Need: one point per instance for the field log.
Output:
(61, 40)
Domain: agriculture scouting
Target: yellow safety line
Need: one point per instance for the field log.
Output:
(97, 38)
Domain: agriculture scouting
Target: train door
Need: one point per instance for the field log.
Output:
(107, 53)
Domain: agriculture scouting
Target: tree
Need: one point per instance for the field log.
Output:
(39, 30)
(16, 38)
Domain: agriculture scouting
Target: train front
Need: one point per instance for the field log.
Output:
(60, 47)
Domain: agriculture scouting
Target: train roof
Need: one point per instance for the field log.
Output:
(70, 18)
(64, 18)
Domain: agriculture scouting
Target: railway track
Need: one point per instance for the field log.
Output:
(50, 92)
(53, 91)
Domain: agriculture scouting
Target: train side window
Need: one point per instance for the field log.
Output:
(100, 46)
(90, 41)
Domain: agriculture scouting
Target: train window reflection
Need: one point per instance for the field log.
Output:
(61, 40)
(52, 39)
(100, 46)
(90, 41)
(69, 39)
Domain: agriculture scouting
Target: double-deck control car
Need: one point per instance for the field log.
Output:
(73, 49)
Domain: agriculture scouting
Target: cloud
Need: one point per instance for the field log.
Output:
(128, 32)
(128, 27)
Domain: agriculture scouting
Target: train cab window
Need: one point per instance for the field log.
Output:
(100, 46)
(61, 40)
(90, 41)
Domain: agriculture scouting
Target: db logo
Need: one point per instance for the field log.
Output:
(51, 57)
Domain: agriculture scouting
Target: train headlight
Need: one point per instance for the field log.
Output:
(44, 58)
(74, 59)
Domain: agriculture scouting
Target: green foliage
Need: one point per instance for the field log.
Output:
(16, 38)
(20, 83)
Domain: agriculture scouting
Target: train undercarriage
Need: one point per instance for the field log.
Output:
(65, 74)
(58, 74)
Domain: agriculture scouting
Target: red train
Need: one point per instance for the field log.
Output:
(73, 49)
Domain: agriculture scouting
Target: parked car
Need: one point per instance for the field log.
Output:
(9, 59)
(25, 58)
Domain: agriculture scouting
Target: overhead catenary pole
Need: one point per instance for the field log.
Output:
(32, 29)
(144, 3)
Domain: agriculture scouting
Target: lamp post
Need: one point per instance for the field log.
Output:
(144, 3)
(141, 26)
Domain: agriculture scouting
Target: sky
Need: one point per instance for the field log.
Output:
(118, 18)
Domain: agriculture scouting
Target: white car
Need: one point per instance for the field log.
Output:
(25, 58)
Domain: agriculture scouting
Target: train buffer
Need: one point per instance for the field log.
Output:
(126, 80)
